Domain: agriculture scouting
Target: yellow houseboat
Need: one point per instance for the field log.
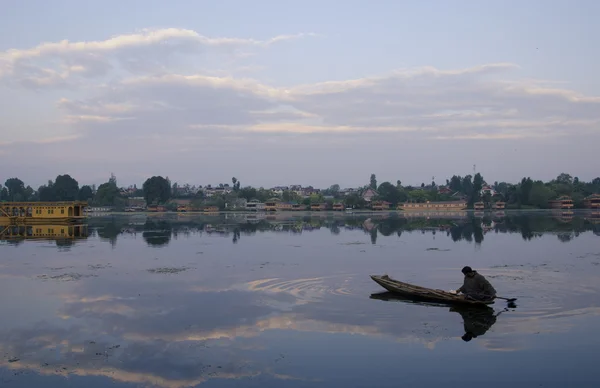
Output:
(49, 231)
(592, 202)
(433, 206)
(41, 212)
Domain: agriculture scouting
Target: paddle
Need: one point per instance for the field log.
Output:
(500, 297)
(506, 299)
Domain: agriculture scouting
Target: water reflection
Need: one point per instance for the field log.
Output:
(159, 230)
(64, 234)
(476, 320)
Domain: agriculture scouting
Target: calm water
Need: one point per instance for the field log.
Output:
(185, 301)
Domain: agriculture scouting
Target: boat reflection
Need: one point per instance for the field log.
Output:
(476, 320)
(52, 231)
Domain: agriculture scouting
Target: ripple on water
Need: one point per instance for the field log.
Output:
(307, 289)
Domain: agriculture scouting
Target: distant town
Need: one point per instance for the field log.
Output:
(159, 194)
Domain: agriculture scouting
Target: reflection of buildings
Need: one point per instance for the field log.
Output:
(435, 214)
(564, 216)
(56, 231)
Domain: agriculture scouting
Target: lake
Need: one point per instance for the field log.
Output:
(286, 301)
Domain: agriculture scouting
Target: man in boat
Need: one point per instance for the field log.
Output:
(476, 286)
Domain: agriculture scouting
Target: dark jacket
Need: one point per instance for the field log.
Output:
(477, 285)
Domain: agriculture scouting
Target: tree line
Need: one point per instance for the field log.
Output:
(156, 190)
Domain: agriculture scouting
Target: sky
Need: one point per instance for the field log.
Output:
(312, 93)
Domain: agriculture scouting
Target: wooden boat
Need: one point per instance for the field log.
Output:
(424, 293)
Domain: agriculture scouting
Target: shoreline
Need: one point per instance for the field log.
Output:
(358, 211)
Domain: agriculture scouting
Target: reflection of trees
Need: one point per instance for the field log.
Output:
(158, 231)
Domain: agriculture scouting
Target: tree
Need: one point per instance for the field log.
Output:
(390, 193)
(456, 183)
(477, 186)
(290, 196)
(355, 201)
(467, 186)
(46, 193)
(525, 190)
(66, 188)
(564, 179)
(4, 194)
(15, 188)
(157, 190)
(236, 184)
(540, 194)
(248, 193)
(373, 183)
(107, 194)
(85, 193)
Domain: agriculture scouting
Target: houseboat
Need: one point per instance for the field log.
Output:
(318, 207)
(433, 206)
(298, 207)
(47, 231)
(564, 202)
(157, 208)
(211, 209)
(284, 206)
(479, 206)
(338, 206)
(255, 206)
(499, 205)
(592, 202)
(42, 212)
(271, 206)
(380, 205)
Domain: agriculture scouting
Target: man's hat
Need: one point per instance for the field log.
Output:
(466, 270)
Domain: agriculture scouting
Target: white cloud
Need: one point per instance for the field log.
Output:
(61, 64)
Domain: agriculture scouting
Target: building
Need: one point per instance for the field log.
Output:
(369, 194)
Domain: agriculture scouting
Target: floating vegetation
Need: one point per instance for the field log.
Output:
(66, 277)
(99, 266)
(353, 243)
(437, 249)
(168, 270)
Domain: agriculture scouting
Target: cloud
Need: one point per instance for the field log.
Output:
(62, 64)
(174, 91)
